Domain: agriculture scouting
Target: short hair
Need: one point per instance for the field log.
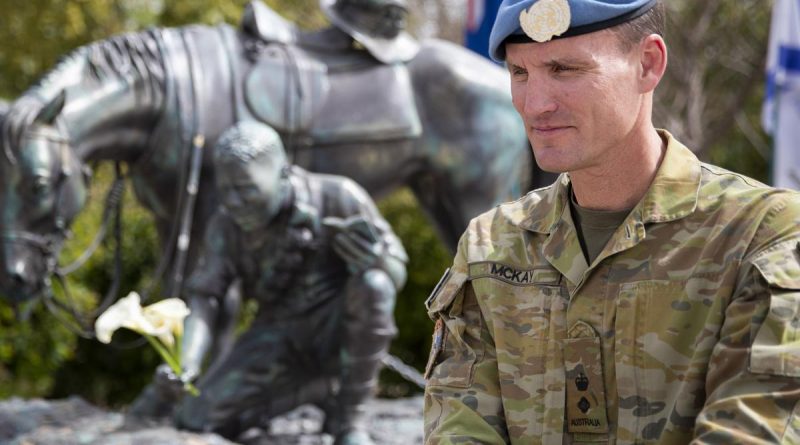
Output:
(651, 22)
(247, 140)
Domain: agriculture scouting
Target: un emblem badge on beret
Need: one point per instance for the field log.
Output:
(545, 19)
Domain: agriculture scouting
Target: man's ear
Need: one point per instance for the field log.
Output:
(653, 59)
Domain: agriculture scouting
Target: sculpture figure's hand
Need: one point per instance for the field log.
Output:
(171, 385)
(356, 242)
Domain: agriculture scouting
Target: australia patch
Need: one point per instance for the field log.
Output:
(437, 345)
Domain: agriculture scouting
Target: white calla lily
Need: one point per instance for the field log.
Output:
(160, 323)
(167, 317)
(125, 313)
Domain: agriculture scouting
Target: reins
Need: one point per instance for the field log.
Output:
(112, 207)
(196, 143)
(112, 201)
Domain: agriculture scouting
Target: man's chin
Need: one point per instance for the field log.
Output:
(551, 159)
(551, 169)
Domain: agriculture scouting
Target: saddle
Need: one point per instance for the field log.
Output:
(320, 87)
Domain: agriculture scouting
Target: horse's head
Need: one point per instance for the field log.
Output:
(42, 188)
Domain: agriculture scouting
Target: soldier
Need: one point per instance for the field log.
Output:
(645, 296)
(324, 267)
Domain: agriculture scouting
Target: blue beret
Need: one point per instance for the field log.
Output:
(585, 16)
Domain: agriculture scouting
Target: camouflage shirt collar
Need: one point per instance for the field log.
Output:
(673, 193)
(671, 196)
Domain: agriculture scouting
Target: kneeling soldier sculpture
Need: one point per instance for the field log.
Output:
(325, 269)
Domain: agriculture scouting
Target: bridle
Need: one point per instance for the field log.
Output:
(49, 245)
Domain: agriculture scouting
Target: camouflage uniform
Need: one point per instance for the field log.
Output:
(686, 327)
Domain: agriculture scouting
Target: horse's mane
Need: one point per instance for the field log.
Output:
(134, 57)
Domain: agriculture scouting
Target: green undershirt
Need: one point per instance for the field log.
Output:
(595, 227)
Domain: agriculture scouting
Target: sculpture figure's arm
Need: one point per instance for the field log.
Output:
(205, 291)
(199, 329)
(366, 240)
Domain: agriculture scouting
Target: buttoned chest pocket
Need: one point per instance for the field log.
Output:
(524, 321)
(665, 332)
(526, 315)
(521, 301)
(774, 347)
(525, 311)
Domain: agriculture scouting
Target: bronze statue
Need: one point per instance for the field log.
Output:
(324, 267)
(441, 123)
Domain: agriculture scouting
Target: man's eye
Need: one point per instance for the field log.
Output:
(562, 68)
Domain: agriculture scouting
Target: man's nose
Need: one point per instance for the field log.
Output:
(539, 99)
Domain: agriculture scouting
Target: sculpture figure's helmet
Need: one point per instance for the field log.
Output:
(378, 25)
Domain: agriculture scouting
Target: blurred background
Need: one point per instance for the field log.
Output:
(710, 99)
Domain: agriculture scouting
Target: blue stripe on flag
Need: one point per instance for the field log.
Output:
(789, 58)
(772, 86)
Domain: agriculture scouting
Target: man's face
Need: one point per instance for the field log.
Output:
(251, 192)
(579, 97)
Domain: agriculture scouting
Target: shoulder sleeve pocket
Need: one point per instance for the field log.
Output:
(445, 292)
(456, 345)
(776, 346)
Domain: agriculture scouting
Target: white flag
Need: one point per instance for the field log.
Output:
(781, 112)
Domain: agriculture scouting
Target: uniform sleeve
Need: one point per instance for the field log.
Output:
(214, 271)
(753, 380)
(462, 395)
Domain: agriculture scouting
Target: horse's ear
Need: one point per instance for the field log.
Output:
(87, 175)
(47, 115)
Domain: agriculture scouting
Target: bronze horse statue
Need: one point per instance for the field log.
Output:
(441, 124)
